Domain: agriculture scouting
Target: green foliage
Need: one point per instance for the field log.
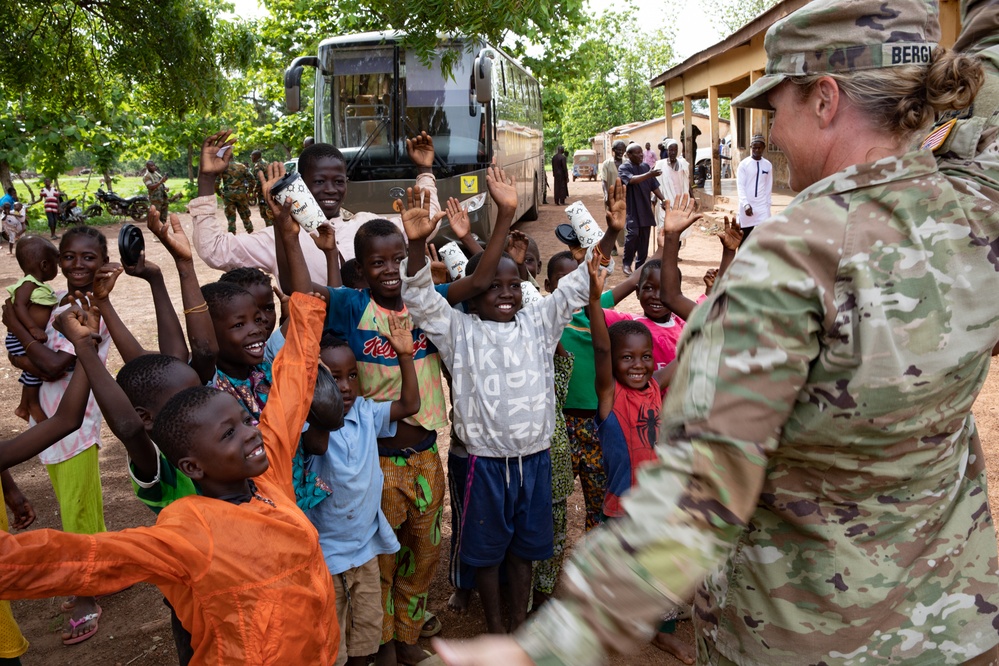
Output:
(730, 15)
(602, 81)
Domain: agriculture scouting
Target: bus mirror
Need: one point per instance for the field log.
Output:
(293, 81)
(483, 73)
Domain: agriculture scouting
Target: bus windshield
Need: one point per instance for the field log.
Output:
(369, 83)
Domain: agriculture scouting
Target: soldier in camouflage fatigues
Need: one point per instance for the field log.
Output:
(154, 180)
(260, 166)
(233, 185)
(817, 440)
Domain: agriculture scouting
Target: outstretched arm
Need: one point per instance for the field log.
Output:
(293, 271)
(680, 215)
(602, 359)
(122, 337)
(79, 326)
(200, 329)
(731, 239)
(326, 242)
(457, 217)
(168, 329)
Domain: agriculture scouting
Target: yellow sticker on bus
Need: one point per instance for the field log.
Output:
(469, 184)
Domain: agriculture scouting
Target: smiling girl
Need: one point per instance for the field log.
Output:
(72, 461)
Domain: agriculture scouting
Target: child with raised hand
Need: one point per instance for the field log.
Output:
(353, 530)
(242, 544)
(259, 285)
(72, 462)
(680, 215)
(32, 302)
(413, 491)
(629, 402)
(500, 360)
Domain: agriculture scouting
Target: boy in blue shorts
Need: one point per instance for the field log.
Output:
(501, 363)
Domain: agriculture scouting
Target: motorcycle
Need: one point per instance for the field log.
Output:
(70, 214)
(134, 207)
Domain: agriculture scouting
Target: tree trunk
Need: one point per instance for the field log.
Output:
(190, 164)
(108, 180)
(5, 180)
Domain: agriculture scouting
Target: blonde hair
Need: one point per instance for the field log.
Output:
(904, 100)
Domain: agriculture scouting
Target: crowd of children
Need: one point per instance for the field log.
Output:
(293, 466)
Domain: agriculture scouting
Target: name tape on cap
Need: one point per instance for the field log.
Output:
(907, 54)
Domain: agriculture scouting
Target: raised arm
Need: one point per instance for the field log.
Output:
(122, 337)
(457, 217)
(504, 195)
(326, 242)
(419, 226)
(731, 239)
(400, 336)
(679, 216)
(200, 330)
(293, 271)
(79, 326)
(603, 362)
(168, 328)
(294, 380)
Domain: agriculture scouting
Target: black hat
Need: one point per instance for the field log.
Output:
(130, 244)
(565, 233)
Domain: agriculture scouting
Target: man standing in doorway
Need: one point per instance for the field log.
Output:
(560, 174)
(755, 180)
(641, 182)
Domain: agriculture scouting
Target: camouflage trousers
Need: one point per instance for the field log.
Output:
(413, 503)
(237, 203)
(161, 205)
(265, 213)
(588, 465)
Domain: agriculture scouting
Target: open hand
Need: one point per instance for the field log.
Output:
(416, 217)
(516, 246)
(616, 207)
(105, 279)
(731, 235)
(457, 217)
(325, 238)
(171, 235)
(399, 334)
(501, 188)
(421, 150)
(681, 214)
(211, 164)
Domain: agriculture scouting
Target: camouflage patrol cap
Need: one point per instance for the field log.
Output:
(829, 36)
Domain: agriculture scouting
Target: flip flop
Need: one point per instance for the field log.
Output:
(90, 617)
(431, 626)
(130, 244)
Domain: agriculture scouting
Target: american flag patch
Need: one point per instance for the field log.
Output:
(938, 135)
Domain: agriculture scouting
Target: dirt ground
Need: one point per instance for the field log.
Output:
(135, 626)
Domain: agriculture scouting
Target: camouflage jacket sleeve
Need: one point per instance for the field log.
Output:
(743, 359)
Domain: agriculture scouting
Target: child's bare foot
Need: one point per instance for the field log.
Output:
(671, 644)
(21, 411)
(458, 602)
(83, 617)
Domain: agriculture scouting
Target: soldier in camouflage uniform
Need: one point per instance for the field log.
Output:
(260, 166)
(233, 185)
(154, 180)
(820, 468)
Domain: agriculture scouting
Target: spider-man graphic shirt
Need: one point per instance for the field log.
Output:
(628, 438)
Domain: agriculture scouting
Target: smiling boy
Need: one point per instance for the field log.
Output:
(324, 171)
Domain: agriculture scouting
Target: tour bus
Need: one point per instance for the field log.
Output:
(371, 93)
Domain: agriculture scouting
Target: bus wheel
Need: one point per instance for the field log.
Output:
(532, 213)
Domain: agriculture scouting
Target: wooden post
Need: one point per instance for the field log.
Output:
(668, 109)
(715, 133)
(688, 134)
(756, 116)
